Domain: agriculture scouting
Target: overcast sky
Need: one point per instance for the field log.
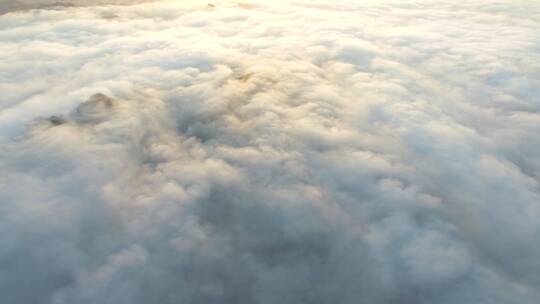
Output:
(270, 152)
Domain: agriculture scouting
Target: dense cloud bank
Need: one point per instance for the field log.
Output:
(261, 152)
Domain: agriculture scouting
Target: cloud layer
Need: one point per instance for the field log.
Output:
(256, 152)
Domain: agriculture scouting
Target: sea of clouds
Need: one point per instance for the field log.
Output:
(270, 152)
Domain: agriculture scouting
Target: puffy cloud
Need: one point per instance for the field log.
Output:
(256, 152)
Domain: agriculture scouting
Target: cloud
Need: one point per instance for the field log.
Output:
(290, 152)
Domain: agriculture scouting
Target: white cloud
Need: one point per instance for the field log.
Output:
(290, 152)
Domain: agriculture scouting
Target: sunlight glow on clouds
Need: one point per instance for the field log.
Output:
(270, 152)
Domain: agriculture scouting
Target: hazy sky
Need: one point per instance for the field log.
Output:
(14, 5)
(270, 152)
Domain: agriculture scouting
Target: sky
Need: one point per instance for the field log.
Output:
(268, 152)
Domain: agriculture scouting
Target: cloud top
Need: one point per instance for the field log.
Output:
(256, 152)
